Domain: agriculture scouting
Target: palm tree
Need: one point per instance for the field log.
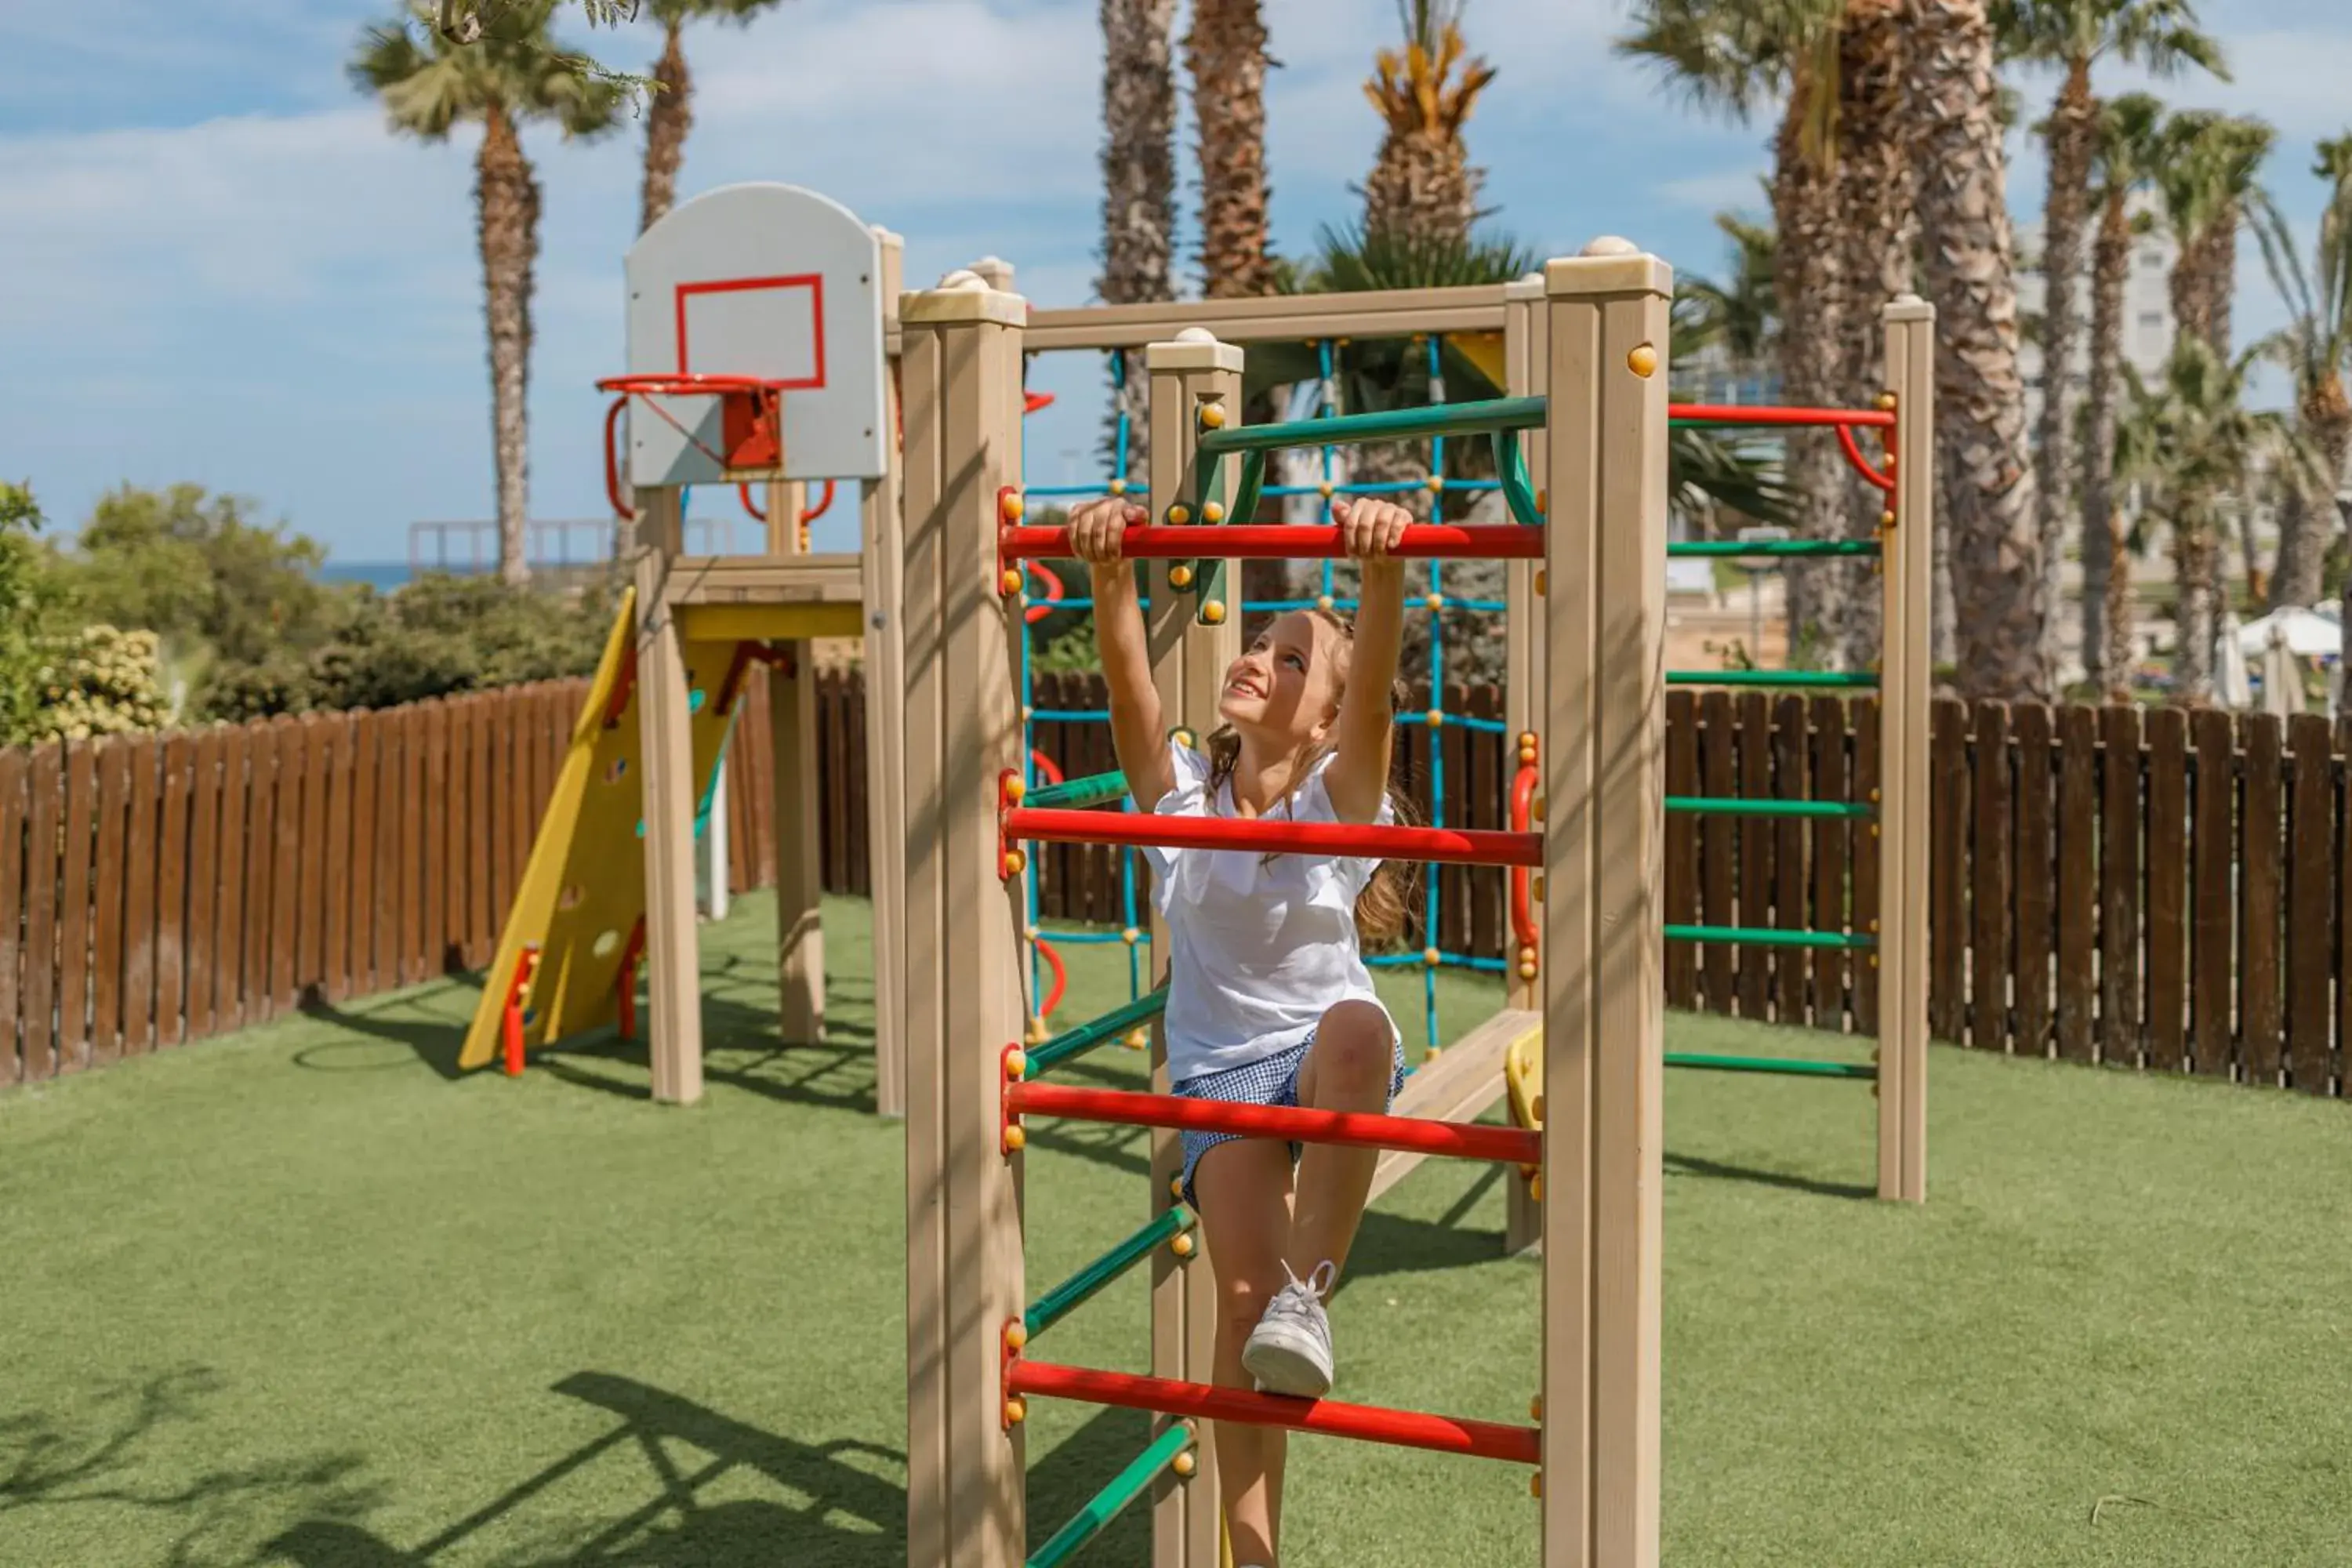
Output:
(1740, 316)
(512, 74)
(2192, 439)
(2211, 164)
(1138, 170)
(2124, 160)
(1983, 468)
(2315, 347)
(1421, 182)
(1226, 56)
(1733, 57)
(672, 114)
(2076, 35)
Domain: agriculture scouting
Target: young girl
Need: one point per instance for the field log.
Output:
(1268, 1000)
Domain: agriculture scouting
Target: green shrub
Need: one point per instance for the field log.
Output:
(100, 680)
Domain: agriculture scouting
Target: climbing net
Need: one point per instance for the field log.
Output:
(1044, 594)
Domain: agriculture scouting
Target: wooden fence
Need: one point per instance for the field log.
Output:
(2157, 889)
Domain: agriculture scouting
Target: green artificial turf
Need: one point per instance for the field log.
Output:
(302, 1297)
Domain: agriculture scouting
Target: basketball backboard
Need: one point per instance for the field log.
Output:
(766, 283)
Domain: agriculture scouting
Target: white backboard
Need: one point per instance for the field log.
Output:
(765, 280)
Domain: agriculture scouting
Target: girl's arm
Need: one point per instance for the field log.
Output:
(1137, 735)
(1358, 780)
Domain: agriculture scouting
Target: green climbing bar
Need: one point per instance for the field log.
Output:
(1477, 419)
(1782, 549)
(1766, 936)
(1063, 1299)
(1813, 679)
(1723, 805)
(1094, 789)
(1788, 1066)
(1076, 1042)
(1107, 1505)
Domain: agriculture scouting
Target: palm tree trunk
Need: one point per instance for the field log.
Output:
(2193, 614)
(666, 124)
(1139, 171)
(506, 202)
(2103, 561)
(1875, 232)
(1226, 56)
(2073, 135)
(1810, 283)
(2118, 622)
(1983, 467)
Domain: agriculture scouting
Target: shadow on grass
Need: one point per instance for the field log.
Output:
(1717, 1171)
(102, 1459)
(843, 1514)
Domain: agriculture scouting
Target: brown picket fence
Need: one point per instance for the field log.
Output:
(2155, 889)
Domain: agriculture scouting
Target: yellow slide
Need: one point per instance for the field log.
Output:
(1523, 1074)
(582, 905)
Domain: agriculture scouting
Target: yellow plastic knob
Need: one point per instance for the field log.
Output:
(1119, 486)
(1016, 788)
(1016, 862)
(1535, 1186)
(1130, 936)
(1536, 808)
(1540, 581)
(1213, 512)
(1184, 1464)
(1435, 718)
(1010, 583)
(1015, 1336)
(1179, 514)
(1179, 576)
(1436, 483)
(1176, 1188)
(1433, 601)
(1016, 1063)
(1527, 969)
(1886, 402)
(1535, 1408)
(1016, 1138)
(1325, 601)
(1432, 957)
(1327, 490)
(1138, 1039)
(1016, 1411)
(1886, 518)
(1212, 416)
(1535, 1485)
(1643, 361)
(1012, 506)
(1182, 1245)
(1213, 614)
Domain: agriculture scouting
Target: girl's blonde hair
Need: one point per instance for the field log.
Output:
(1381, 908)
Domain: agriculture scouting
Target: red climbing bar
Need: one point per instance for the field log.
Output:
(1284, 541)
(1764, 413)
(1367, 1423)
(1353, 1129)
(1450, 845)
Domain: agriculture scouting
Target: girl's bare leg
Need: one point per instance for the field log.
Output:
(1348, 1067)
(1244, 1189)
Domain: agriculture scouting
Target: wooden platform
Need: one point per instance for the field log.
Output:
(1461, 1084)
(754, 598)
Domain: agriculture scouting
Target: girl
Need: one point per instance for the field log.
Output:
(1268, 998)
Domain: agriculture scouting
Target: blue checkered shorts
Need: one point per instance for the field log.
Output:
(1272, 1081)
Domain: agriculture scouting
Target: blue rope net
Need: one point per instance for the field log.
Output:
(1430, 959)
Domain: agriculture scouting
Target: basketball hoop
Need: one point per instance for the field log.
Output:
(751, 416)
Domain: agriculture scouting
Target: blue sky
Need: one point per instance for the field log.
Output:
(221, 268)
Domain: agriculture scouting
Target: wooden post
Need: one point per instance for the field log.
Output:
(1604, 1005)
(1188, 665)
(1907, 538)
(665, 747)
(881, 547)
(1524, 320)
(962, 370)
(793, 798)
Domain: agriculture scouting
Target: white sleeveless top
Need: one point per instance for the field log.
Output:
(1259, 947)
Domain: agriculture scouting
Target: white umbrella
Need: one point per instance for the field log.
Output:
(2307, 633)
(2231, 686)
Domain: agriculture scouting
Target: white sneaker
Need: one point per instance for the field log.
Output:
(1289, 1352)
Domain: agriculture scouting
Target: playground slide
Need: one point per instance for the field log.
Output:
(581, 907)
